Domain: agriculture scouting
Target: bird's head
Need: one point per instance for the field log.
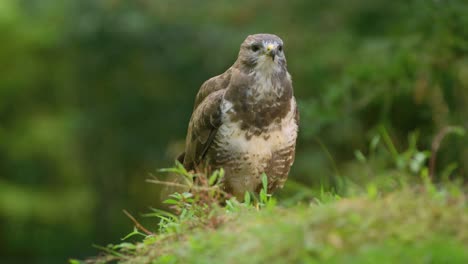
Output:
(263, 52)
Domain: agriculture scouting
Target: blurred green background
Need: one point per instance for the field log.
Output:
(97, 94)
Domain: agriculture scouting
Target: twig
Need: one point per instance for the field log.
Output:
(138, 225)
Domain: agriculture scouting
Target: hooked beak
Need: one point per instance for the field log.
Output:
(271, 51)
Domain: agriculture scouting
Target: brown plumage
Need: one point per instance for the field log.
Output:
(245, 120)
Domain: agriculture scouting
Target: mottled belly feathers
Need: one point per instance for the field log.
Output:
(245, 155)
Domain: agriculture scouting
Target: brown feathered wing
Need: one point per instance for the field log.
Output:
(205, 120)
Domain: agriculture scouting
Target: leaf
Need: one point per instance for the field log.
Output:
(170, 201)
(388, 141)
(449, 170)
(134, 233)
(213, 178)
(125, 245)
(418, 161)
(230, 206)
(187, 195)
(168, 170)
(265, 182)
(413, 140)
(359, 156)
(374, 143)
(263, 196)
(221, 173)
(160, 213)
(459, 131)
(180, 169)
(108, 250)
(247, 198)
(372, 191)
(163, 218)
(177, 196)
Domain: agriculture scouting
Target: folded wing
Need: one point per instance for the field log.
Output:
(205, 120)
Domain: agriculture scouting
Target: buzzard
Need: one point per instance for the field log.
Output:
(246, 120)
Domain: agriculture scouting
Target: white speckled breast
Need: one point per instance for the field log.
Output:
(249, 155)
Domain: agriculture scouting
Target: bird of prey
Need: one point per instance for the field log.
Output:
(246, 120)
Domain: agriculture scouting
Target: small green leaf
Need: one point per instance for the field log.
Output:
(160, 213)
(135, 232)
(413, 141)
(372, 191)
(170, 201)
(389, 143)
(187, 195)
(265, 182)
(448, 171)
(374, 143)
(247, 198)
(460, 131)
(177, 196)
(108, 250)
(125, 245)
(417, 162)
(263, 196)
(230, 206)
(213, 178)
(359, 156)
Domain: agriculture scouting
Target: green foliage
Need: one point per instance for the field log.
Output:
(368, 222)
(409, 225)
(264, 199)
(198, 209)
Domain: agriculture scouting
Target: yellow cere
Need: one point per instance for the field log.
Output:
(270, 47)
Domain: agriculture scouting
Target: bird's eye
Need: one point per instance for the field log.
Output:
(280, 48)
(255, 47)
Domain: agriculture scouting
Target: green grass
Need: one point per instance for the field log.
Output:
(410, 225)
(394, 216)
